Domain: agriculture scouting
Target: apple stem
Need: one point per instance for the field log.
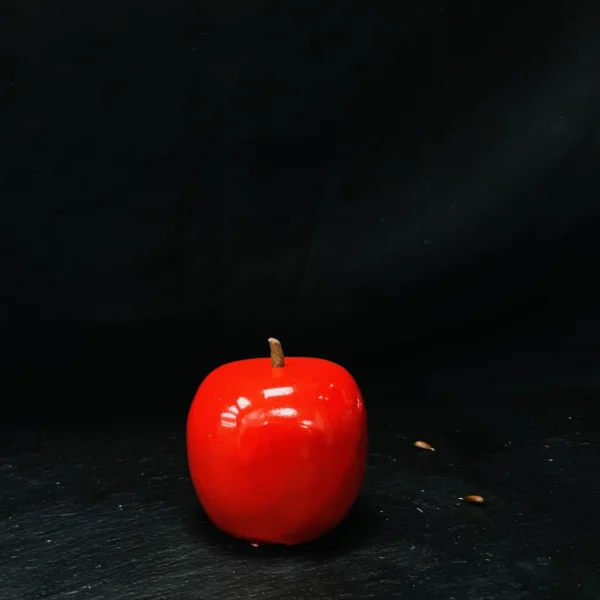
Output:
(277, 360)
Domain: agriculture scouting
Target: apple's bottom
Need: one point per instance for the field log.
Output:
(303, 535)
(278, 540)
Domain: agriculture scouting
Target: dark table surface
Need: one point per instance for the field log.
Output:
(102, 510)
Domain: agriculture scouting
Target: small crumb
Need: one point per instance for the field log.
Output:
(423, 446)
(473, 499)
(254, 545)
(419, 509)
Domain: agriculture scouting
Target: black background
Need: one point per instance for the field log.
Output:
(409, 188)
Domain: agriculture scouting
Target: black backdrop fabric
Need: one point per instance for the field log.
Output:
(182, 181)
(258, 169)
(410, 189)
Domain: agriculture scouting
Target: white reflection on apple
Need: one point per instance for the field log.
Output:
(279, 391)
(283, 412)
(229, 417)
(243, 402)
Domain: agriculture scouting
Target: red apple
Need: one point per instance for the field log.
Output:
(277, 447)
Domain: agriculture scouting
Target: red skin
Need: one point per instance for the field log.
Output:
(277, 455)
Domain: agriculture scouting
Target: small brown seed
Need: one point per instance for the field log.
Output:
(474, 499)
(424, 446)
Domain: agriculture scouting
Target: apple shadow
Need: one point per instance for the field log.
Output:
(350, 534)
